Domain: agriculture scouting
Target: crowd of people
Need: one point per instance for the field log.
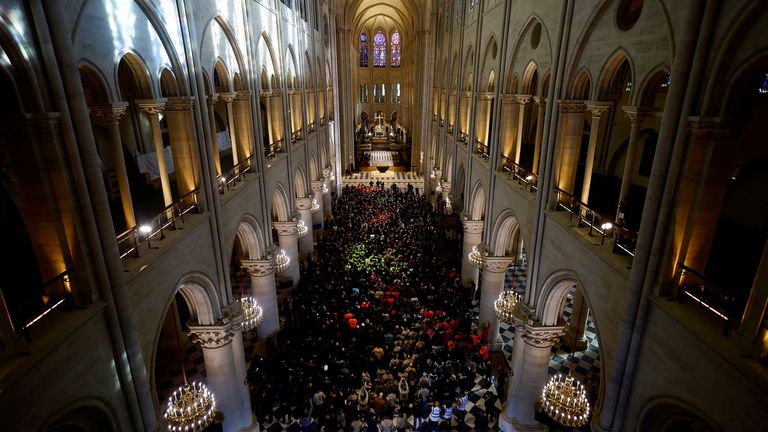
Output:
(379, 334)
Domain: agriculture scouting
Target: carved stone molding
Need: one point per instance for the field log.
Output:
(110, 113)
(598, 108)
(286, 228)
(212, 337)
(227, 97)
(303, 203)
(151, 106)
(317, 186)
(242, 95)
(485, 96)
(637, 114)
(539, 336)
(180, 103)
(522, 99)
(259, 268)
(709, 129)
(497, 264)
(540, 100)
(508, 99)
(213, 98)
(327, 172)
(572, 106)
(473, 226)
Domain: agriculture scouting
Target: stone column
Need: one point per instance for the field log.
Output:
(508, 126)
(111, 115)
(287, 237)
(304, 209)
(578, 322)
(473, 236)
(569, 136)
(263, 289)
(181, 132)
(636, 117)
(597, 109)
(225, 370)
(244, 121)
(494, 270)
(530, 364)
(446, 191)
(212, 99)
(327, 205)
(228, 99)
(317, 215)
(521, 101)
(153, 108)
(542, 102)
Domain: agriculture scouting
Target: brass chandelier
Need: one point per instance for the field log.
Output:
(253, 315)
(282, 261)
(564, 398)
(505, 306)
(476, 257)
(190, 408)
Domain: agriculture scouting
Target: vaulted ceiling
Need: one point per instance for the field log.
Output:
(402, 14)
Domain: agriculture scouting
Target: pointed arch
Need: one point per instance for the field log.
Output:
(249, 236)
(168, 85)
(530, 78)
(477, 204)
(582, 86)
(94, 85)
(270, 62)
(131, 70)
(280, 204)
(300, 182)
(614, 73)
(505, 235)
(652, 85)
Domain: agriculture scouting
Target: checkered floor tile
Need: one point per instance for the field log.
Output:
(586, 362)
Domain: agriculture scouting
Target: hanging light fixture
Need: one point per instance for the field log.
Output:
(192, 406)
(253, 315)
(301, 227)
(476, 257)
(282, 261)
(564, 398)
(505, 306)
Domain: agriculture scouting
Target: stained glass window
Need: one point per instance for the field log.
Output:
(395, 49)
(363, 50)
(379, 50)
(763, 89)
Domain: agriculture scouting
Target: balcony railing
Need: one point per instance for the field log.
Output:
(450, 129)
(463, 137)
(520, 174)
(56, 292)
(482, 150)
(597, 223)
(171, 218)
(296, 136)
(693, 285)
(271, 151)
(235, 175)
(311, 127)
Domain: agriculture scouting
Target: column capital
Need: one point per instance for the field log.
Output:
(180, 103)
(151, 106)
(637, 114)
(473, 226)
(303, 203)
(110, 112)
(572, 106)
(496, 264)
(286, 228)
(327, 172)
(317, 186)
(213, 98)
(597, 108)
(540, 336)
(522, 99)
(259, 268)
(212, 337)
(227, 97)
(707, 129)
(540, 100)
(485, 96)
(241, 95)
